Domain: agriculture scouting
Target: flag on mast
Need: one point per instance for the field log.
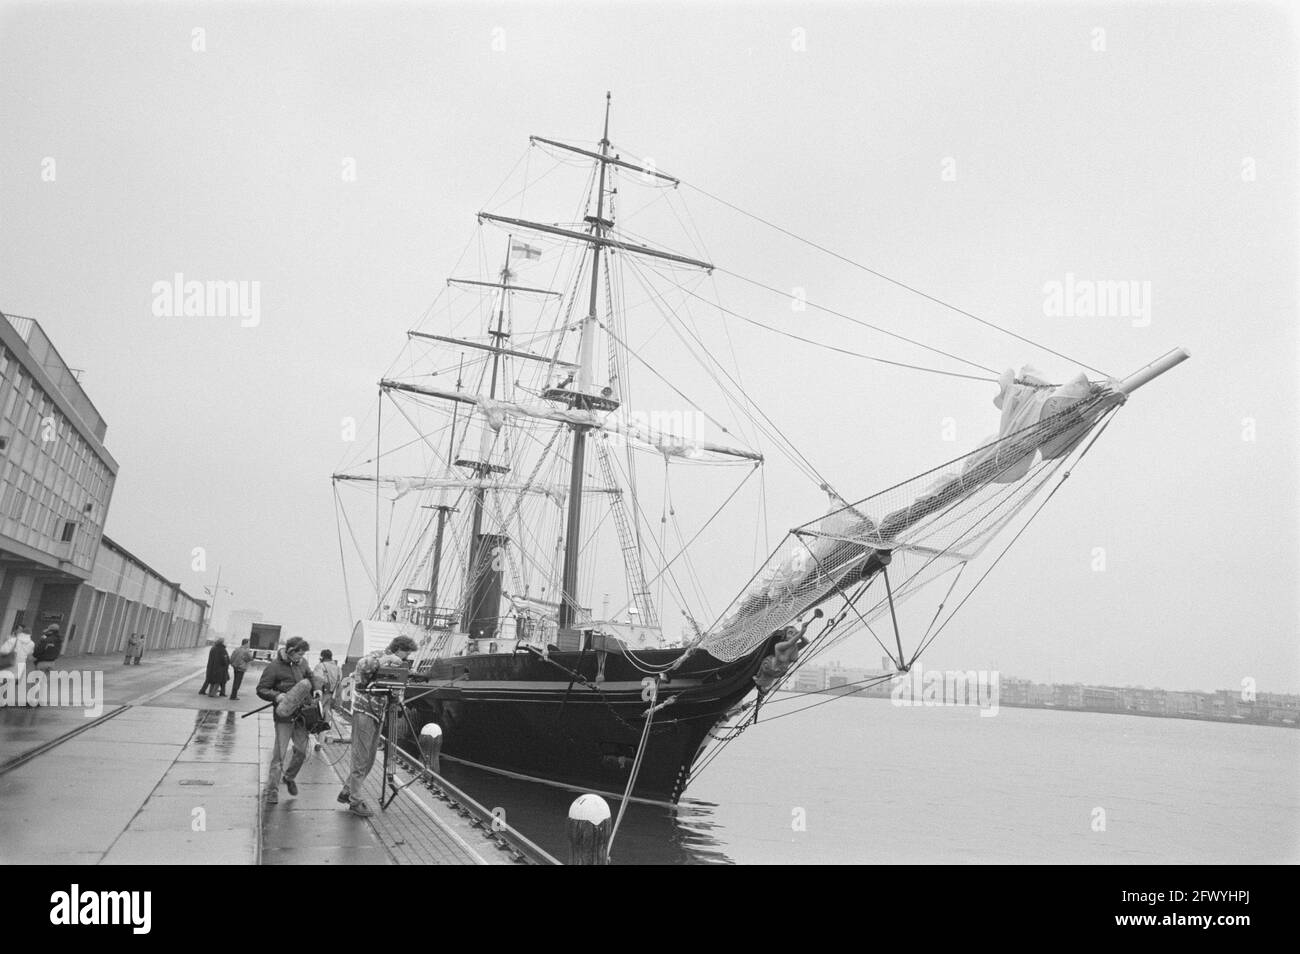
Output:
(529, 252)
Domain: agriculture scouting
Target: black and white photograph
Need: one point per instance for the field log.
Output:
(650, 433)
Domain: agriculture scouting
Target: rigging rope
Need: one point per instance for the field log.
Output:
(892, 281)
(338, 529)
(636, 770)
(856, 321)
(845, 351)
(792, 452)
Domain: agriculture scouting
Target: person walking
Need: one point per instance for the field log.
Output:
(367, 710)
(218, 672)
(327, 677)
(239, 661)
(283, 673)
(49, 647)
(139, 649)
(16, 652)
(132, 646)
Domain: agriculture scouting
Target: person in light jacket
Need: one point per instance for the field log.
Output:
(367, 710)
(327, 676)
(21, 646)
(239, 661)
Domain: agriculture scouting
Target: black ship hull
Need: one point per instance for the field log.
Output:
(576, 718)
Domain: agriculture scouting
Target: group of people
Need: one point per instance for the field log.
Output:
(134, 650)
(19, 652)
(281, 677)
(220, 663)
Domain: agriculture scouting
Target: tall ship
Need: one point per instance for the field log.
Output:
(520, 509)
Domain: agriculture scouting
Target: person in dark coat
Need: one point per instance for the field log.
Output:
(218, 673)
(49, 647)
(282, 674)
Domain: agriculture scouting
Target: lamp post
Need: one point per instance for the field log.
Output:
(214, 591)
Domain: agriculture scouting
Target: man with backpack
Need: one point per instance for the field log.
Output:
(327, 676)
(49, 646)
(281, 676)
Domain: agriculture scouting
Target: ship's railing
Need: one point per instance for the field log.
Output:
(494, 826)
(435, 617)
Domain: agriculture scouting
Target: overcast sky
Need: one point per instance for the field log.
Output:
(978, 152)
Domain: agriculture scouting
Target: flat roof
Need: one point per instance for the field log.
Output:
(29, 342)
(114, 545)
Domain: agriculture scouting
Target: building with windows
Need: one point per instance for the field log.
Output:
(56, 483)
(124, 596)
(56, 479)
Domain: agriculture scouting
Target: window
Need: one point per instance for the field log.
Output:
(69, 528)
(13, 395)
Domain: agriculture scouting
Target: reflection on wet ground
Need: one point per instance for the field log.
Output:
(216, 736)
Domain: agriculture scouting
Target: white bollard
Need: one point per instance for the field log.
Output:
(431, 746)
(588, 828)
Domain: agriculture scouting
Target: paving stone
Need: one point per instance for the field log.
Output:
(326, 856)
(232, 847)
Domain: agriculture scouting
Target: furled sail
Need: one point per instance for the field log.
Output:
(405, 485)
(497, 412)
(926, 525)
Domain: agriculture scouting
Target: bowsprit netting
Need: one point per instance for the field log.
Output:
(924, 527)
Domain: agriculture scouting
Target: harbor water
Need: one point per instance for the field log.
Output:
(864, 780)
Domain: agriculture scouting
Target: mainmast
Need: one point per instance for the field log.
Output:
(584, 397)
(579, 391)
(581, 399)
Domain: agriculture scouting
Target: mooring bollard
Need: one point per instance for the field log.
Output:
(431, 746)
(588, 827)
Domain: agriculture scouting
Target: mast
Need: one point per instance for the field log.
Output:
(586, 347)
(587, 402)
(443, 509)
(484, 467)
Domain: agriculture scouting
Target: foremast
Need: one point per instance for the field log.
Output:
(482, 469)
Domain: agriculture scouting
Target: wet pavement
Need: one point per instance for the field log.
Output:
(23, 729)
(148, 786)
(312, 828)
(164, 775)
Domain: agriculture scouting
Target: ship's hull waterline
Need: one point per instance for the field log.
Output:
(529, 716)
